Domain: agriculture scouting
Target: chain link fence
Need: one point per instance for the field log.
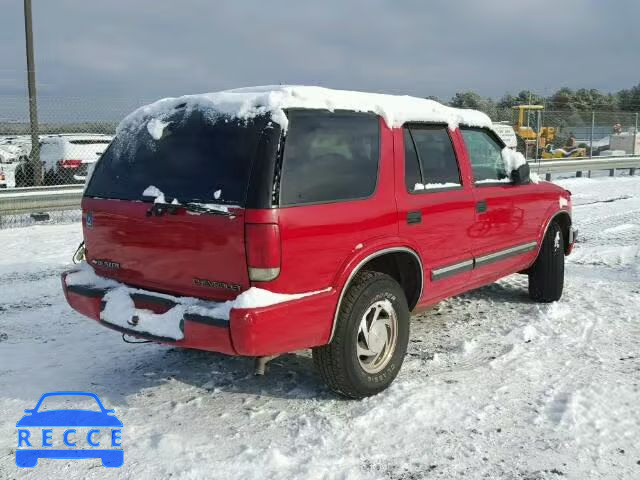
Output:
(72, 133)
(561, 134)
(597, 133)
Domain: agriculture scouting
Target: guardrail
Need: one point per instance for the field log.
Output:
(16, 201)
(579, 165)
(28, 200)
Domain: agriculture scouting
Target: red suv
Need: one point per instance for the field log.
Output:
(261, 221)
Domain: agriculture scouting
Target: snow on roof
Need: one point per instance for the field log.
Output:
(275, 99)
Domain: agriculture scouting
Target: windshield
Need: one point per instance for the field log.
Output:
(65, 402)
(192, 155)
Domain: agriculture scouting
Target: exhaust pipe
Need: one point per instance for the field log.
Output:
(261, 364)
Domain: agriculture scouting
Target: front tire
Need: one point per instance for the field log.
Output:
(370, 339)
(546, 275)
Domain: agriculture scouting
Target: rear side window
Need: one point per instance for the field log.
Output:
(412, 170)
(329, 156)
(430, 161)
(485, 154)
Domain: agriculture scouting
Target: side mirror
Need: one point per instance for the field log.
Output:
(521, 175)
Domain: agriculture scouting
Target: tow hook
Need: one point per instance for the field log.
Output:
(261, 364)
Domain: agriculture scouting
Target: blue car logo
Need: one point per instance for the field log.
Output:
(89, 220)
(86, 433)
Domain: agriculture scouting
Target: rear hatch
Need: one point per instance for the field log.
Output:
(164, 208)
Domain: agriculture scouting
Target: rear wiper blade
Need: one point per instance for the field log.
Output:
(204, 208)
(160, 208)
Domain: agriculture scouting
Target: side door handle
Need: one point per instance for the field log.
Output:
(481, 206)
(414, 217)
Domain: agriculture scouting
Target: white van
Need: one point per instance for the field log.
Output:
(65, 158)
(506, 133)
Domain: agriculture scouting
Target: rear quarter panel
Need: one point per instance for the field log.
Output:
(320, 241)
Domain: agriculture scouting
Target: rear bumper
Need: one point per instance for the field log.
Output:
(284, 327)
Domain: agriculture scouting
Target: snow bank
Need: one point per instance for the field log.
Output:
(247, 103)
(610, 256)
(119, 307)
(534, 177)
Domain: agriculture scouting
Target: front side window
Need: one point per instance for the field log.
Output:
(329, 156)
(430, 161)
(485, 154)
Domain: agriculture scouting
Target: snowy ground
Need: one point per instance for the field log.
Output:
(494, 386)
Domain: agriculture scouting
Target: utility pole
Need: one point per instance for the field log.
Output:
(33, 105)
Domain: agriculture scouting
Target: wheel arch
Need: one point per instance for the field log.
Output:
(400, 262)
(563, 218)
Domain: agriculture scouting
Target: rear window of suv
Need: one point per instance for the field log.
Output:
(329, 157)
(199, 153)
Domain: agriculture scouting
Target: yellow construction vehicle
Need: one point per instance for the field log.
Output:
(563, 152)
(529, 136)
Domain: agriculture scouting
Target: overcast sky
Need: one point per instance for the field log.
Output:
(145, 49)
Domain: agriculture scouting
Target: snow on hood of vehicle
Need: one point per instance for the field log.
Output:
(250, 102)
(119, 308)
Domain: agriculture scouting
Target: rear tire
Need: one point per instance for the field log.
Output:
(546, 275)
(370, 339)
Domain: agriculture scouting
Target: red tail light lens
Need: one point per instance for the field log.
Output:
(69, 163)
(263, 251)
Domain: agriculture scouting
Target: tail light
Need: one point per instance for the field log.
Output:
(69, 163)
(263, 251)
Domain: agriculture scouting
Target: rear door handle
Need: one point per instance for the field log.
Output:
(414, 217)
(481, 206)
